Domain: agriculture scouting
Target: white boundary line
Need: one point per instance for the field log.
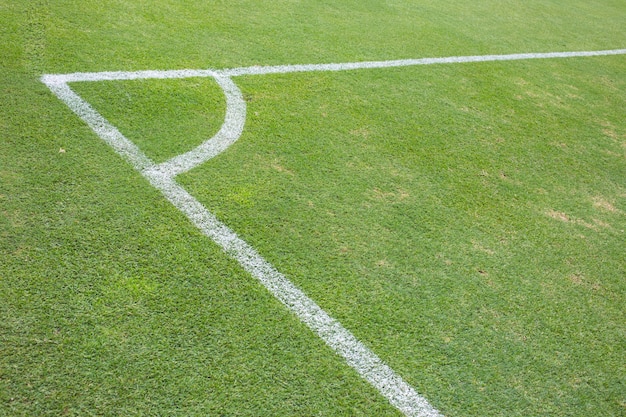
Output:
(162, 176)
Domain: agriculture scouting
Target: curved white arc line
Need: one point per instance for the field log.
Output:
(231, 130)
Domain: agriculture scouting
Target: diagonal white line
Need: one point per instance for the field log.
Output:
(228, 134)
(107, 132)
(282, 69)
(357, 355)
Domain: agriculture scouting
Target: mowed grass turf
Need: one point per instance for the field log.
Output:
(466, 222)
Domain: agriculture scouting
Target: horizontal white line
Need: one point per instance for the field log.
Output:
(282, 69)
(51, 79)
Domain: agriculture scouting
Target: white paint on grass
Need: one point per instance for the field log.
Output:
(229, 132)
(282, 69)
(162, 176)
(109, 133)
(363, 360)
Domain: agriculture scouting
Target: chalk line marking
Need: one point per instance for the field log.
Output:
(162, 176)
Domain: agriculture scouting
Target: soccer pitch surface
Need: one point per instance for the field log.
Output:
(453, 225)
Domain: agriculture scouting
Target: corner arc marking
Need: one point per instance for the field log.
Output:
(161, 176)
(228, 134)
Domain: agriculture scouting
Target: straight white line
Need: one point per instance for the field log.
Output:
(107, 132)
(162, 176)
(357, 355)
(124, 75)
(230, 131)
(282, 69)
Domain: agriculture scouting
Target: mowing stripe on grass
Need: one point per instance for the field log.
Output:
(162, 176)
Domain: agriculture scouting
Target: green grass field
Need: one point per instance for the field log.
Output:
(466, 222)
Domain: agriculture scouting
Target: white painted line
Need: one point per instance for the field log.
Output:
(235, 105)
(358, 356)
(107, 132)
(282, 69)
(162, 176)
(229, 132)
(49, 79)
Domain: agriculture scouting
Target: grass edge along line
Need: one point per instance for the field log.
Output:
(162, 176)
